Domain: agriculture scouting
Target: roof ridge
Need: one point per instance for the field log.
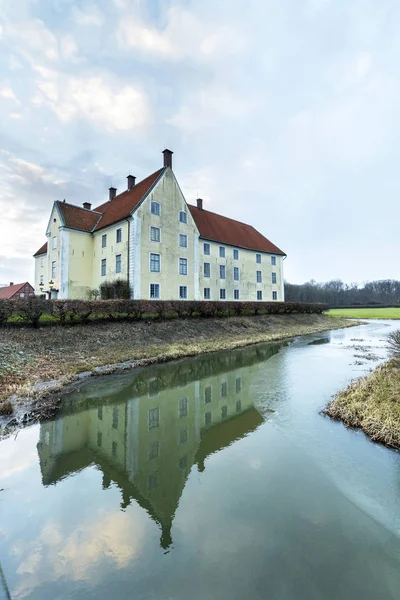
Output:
(224, 217)
(132, 188)
(77, 206)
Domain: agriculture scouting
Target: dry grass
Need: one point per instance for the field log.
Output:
(372, 404)
(5, 408)
(28, 356)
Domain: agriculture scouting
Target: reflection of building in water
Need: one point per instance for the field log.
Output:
(147, 443)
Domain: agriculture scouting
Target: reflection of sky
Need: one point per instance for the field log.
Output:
(271, 515)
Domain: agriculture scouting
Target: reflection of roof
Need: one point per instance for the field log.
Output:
(225, 433)
(63, 465)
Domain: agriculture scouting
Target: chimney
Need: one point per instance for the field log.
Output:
(199, 203)
(168, 158)
(87, 205)
(113, 193)
(11, 283)
(131, 181)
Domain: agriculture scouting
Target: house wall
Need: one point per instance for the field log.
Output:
(53, 255)
(248, 267)
(40, 269)
(170, 197)
(80, 265)
(109, 253)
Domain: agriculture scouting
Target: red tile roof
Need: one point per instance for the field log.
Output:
(11, 290)
(122, 205)
(228, 231)
(42, 250)
(75, 217)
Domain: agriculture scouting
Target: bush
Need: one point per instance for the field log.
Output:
(32, 308)
(6, 310)
(394, 344)
(119, 288)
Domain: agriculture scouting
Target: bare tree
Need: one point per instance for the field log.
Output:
(394, 344)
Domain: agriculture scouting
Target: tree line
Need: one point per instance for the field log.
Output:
(336, 293)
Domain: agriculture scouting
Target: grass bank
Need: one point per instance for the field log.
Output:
(365, 313)
(29, 357)
(372, 404)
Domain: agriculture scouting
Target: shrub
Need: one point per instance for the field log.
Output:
(32, 308)
(119, 288)
(6, 310)
(394, 344)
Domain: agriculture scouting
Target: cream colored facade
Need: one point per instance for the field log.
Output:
(161, 255)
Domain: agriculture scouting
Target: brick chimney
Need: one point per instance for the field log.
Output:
(113, 193)
(168, 158)
(199, 203)
(87, 205)
(131, 181)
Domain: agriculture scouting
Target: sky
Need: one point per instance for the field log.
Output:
(281, 113)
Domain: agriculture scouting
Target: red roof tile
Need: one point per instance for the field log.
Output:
(75, 217)
(11, 290)
(42, 250)
(122, 205)
(234, 233)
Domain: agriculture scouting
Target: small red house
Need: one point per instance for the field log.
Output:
(17, 290)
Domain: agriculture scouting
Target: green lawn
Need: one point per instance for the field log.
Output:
(365, 313)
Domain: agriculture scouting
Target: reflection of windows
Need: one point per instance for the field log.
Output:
(183, 436)
(153, 417)
(224, 389)
(154, 450)
(207, 394)
(115, 418)
(153, 387)
(238, 406)
(207, 418)
(99, 438)
(183, 463)
(114, 449)
(224, 412)
(183, 407)
(100, 413)
(152, 481)
(238, 384)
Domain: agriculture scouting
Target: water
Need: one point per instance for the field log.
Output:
(213, 477)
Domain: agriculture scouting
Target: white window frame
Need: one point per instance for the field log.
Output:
(103, 262)
(155, 203)
(204, 293)
(41, 280)
(117, 241)
(42, 262)
(236, 293)
(209, 270)
(273, 261)
(155, 228)
(159, 261)
(220, 293)
(183, 212)
(258, 262)
(236, 270)
(223, 255)
(53, 269)
(104, 240)
(273, 278)
(54, 243)
(274, 295)
(204, 248)
(159, 291)
(179, 266)
(120, 263)
(235, 251)
(179, 292)
(258, 273)
(259, 293)
(182, 235)
(222, 267)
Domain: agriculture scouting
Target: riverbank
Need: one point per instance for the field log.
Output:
(372, 404)
(36, 364)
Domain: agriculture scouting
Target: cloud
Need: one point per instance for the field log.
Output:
(32, 40)
(8, 94)
(87, 16)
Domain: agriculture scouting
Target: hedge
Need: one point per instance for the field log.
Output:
(30, 310)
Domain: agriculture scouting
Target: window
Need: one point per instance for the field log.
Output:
(153, 418)
(224, 389)
(183, 407)
(236, 294)
(103, 267)
(207, 294)
(42, 262)
(224, 412)
(222, 271)
(22, 295)
(118, 236)
(154, 450)
(183, 240)
(155, 208)
(206, 248)
(222, 251)
(222, 294)
(258, 259)
(154, 387)
(154, 234)
(207, 269)
(259, 295)
(154, 263)
(41, 279)
(53, 269)
(152, 481)
(118, 263)
(115, 417)
(182, 216)
(274, 295)
(235, 254)
(54, 244)
(208, 418)
(183, 436)
(238, 406)
(100, 413)
(99, 438)
(236, 273)
(183, 292)
(183, 266)
(238, 384)
(114, 449)
(104, 241)
(183, 463)
(273, 261)
(259, 277)
(155, 291)
(273, 277)
(207, 394)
